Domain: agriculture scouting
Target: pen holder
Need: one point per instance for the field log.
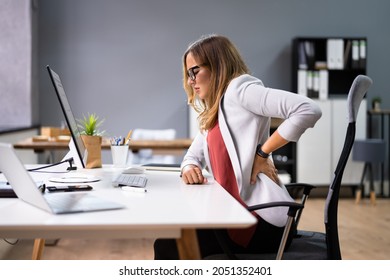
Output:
(119, 155)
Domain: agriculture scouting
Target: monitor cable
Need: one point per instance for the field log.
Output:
(68, 160)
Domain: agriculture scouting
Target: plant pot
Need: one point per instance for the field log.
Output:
(376, 106)
(93, 144)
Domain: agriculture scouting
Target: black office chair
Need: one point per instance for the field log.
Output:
(307, 244)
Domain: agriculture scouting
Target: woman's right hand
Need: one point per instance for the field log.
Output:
(266, 166)
(192, 174)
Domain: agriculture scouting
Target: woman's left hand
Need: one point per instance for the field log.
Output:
(266, 166)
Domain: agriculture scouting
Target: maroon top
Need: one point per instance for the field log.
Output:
(224, 175)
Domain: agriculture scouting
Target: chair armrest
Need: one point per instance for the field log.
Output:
(293, 206)
(306, 187)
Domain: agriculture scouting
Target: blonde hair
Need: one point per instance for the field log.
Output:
(225, 63)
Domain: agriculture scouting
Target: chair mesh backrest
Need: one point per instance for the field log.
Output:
(355, 96)
(358, 89)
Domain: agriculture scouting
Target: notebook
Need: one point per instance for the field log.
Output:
(56, 203)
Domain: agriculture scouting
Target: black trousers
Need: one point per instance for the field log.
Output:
(266, 239)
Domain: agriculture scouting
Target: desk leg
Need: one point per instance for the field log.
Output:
(188, 245)
(39, 244)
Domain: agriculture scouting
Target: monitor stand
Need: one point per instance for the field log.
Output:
(77, 177)
(74, 154)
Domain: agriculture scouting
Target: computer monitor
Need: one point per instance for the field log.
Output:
(79, 146)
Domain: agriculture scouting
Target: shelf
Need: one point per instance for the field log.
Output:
(324, 67)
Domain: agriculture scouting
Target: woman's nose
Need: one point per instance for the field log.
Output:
(190, 81)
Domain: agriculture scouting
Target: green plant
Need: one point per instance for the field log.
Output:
(376, 99)
(90, 125)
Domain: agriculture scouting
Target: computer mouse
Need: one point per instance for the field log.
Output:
(134, 170)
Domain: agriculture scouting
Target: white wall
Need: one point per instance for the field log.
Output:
(18, 85)
(122, 59)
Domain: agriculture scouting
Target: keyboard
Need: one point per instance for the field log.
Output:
(130, 180)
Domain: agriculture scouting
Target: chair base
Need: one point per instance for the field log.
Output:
(305, 246)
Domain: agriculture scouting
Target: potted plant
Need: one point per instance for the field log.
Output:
(92, 137)
(376, 103)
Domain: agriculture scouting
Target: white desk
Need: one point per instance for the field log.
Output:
(169, 209)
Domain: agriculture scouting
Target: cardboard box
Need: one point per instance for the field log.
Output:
(50, 131)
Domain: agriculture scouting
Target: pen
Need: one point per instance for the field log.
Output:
(133, 189)
(118, 141)
(128, 137)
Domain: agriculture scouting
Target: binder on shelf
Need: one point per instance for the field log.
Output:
(323, 84)
(362, 54)
(313, 84)
(330, 56)
(355, 54)
(339, 54)
(347, 54)
(336, 59)
(310, 54)
(335, 53)
(316, 84)
(309, 83)
(302, 61)
(302, 82)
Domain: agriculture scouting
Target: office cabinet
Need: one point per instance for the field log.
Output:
(323, 68)
(319, 149)
(313, 150)
(353, 170)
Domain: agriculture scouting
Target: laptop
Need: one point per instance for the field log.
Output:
(56, 203)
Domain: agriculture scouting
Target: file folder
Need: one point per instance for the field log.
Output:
(347, 54)
(316, 84)
(302, 83)
(355, 54)
(339, 53)
(362, 54)
(323, 81)
(309, 83)
(335, 53)
(330, 54)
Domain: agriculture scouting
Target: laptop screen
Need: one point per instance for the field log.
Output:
(70, 120)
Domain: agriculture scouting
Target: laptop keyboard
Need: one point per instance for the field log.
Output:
(130, 180)
(66, 202)
(78, 202)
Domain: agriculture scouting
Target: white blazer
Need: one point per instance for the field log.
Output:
(244, 118)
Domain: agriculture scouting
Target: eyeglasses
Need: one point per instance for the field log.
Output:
(191, 72)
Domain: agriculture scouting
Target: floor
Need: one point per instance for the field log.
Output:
(364, 231)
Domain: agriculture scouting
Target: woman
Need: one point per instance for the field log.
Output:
(235, 111)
